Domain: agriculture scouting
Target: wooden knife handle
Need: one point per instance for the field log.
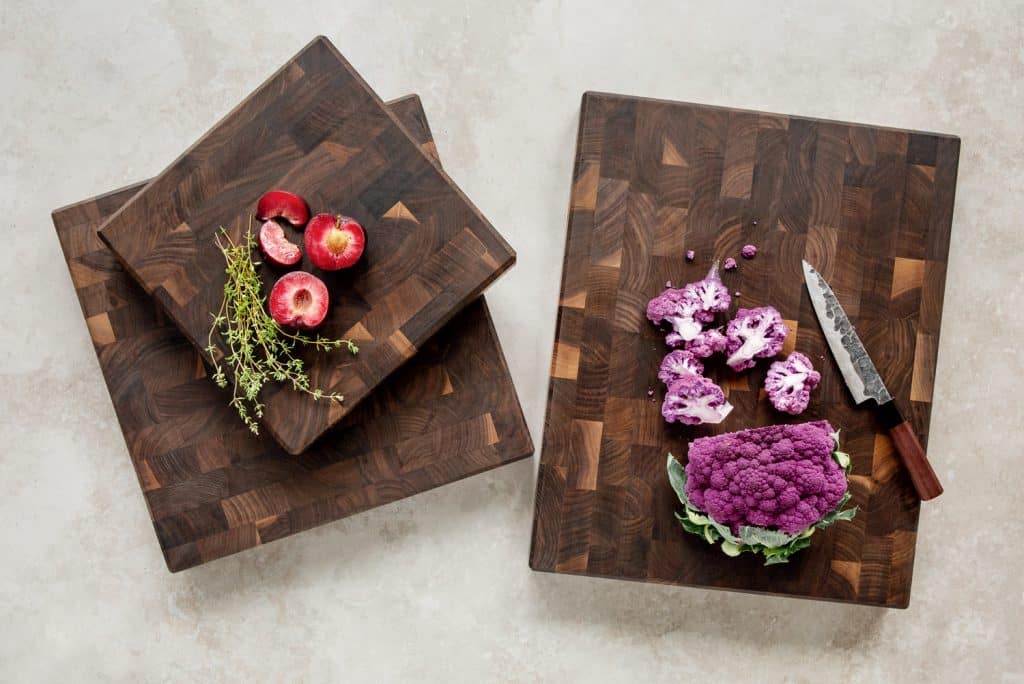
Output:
(911, 452)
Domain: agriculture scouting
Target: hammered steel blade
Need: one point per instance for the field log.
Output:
(858, 370)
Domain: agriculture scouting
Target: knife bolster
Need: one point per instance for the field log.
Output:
(889, 415)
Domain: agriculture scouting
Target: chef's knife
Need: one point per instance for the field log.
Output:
(865, 384)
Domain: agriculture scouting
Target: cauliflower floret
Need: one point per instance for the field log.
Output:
(707, 344)
(678, 363)
(688, 308)
(754, 333)
(694, 400)
(780, 477)
(711, 293)
(789, 383)
(679, 310)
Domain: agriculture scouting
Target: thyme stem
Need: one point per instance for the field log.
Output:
(258, 349)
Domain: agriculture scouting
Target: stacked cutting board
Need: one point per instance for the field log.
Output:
(428, 400)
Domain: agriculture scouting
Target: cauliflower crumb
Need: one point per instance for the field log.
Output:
(730, 264)
(749, 251)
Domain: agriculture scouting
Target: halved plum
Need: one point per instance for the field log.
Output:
(334, 242)
(283, 205)
(276, 248)
(299, 300)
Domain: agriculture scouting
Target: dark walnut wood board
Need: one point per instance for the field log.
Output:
(871, 208)
(317, 129)
(213, 488)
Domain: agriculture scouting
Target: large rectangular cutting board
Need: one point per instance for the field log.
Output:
(212, 488)
(870, 207)
(317, 129)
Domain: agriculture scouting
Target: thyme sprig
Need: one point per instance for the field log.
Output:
(259, 350)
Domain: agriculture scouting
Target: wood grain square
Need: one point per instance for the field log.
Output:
(925, 357)
(100, 330)
(566, 361)
(907, 275)
(670, 156)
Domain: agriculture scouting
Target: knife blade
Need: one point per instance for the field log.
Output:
(866, 384)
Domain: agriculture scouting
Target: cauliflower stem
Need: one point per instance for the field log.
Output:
(774, 545)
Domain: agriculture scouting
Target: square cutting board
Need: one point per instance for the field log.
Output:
(869, 207)
(317, 129)
(213, 488)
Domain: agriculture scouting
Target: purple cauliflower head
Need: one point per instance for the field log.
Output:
(711, 293)
(780, 477)
(678, 363)
(679, 311)
(694, 400)
(789, 383)
(754, 333)
(708, 343)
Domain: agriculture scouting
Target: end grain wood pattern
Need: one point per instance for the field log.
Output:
(213, 488)
(317, 129)
(870, 208)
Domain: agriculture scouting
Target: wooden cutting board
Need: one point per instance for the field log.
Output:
(870, 207)
(317, 129)
(212, 488)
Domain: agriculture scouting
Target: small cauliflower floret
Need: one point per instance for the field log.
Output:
(694, 400)
(711, 293)
(754, 334)
(708, 343)
(678, 363)
(748, 251)
(679, 311)
(789, 383)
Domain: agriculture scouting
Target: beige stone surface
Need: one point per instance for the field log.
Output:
(436, 588)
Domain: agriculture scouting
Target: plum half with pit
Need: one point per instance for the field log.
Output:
(299, 300)
(283, 205)
(278, 249)
(334, 242)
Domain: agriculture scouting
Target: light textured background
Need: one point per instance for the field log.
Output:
(97, 95)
